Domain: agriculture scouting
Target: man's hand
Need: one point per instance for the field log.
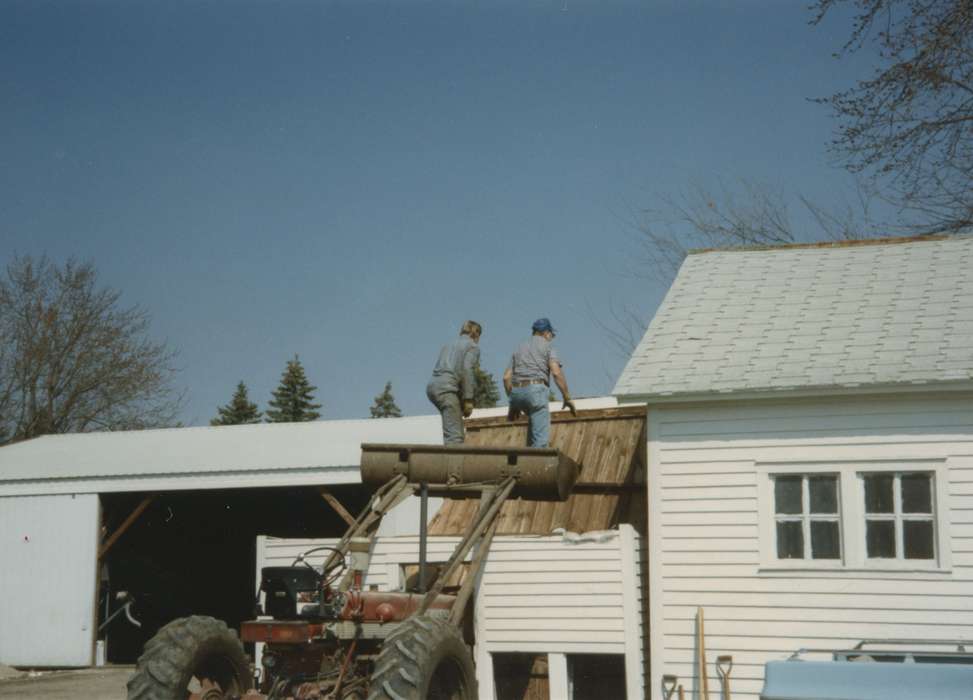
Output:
(562, 384)
(467, 408)
(569, 404)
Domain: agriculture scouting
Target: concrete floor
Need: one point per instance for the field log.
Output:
(105, 683)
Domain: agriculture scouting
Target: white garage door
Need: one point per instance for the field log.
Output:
(48, 552)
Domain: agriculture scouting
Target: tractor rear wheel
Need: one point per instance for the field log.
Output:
(424, 659)
(193, 655)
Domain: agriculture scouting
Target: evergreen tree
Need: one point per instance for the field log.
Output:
(240, 411)
(385, 404)
(293, 400)
(485, 391)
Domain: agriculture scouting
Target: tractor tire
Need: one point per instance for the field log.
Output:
(200, 648)
(424, 659)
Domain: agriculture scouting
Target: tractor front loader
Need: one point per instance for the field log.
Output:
(328, 637)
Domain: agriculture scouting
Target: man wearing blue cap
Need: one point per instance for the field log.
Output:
(451, 386)
(527, 381)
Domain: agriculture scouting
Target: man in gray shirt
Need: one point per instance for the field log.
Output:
(527, 382)
(452, 381)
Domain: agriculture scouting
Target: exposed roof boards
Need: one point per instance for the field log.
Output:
(889, 313)
(609, 444)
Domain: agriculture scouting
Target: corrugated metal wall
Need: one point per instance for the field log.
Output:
(48, 554)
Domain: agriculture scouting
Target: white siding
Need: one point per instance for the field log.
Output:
(706, 528)
(537, 594)
(48, 550)
(542, 595)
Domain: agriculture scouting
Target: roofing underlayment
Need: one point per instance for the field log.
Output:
(891, 312)
(609, 444)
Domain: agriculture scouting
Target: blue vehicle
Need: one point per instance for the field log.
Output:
(901, 669)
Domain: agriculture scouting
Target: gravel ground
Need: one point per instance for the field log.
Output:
(105, 683)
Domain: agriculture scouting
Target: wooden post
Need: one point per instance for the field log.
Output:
(557, 676)
(336, 504)
(701, 649)
(133, 516)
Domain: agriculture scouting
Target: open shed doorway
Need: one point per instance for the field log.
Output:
(193, 553)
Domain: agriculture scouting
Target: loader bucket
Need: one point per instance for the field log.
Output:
(542, 473)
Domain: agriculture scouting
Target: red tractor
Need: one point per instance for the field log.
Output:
(327, 637)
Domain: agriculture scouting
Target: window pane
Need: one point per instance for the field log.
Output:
(824, 494)
(825, 540)
(790, 540)
(787, 495)
(880, 539)
(916, 493)
(917, 539)
(878, 493)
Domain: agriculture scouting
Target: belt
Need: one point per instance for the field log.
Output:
(529, 382)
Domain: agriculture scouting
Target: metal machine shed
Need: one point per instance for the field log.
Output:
(169, 515)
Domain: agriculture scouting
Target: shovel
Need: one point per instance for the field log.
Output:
(668, 686)
(724, 664)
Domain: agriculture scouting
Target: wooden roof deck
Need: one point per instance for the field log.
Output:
(610, 446)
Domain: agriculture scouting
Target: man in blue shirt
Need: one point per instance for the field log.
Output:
(527, 382)
(451, 386)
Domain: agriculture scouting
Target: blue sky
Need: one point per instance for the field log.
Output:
(349, 181)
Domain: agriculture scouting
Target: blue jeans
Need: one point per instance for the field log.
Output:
(532, 400)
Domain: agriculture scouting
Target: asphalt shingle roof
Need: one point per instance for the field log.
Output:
(797, 318)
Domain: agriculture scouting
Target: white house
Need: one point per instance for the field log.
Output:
(810, 451)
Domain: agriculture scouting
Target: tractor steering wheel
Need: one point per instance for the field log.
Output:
(325, 576)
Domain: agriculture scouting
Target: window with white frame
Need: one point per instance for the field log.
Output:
(854, 516)
(899, 515)
(807, 516)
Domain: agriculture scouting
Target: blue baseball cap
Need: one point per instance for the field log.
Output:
(541, 325)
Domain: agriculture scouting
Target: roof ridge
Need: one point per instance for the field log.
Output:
(846, 243)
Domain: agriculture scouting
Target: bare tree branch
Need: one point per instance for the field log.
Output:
(910, 125)
(72, 359)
